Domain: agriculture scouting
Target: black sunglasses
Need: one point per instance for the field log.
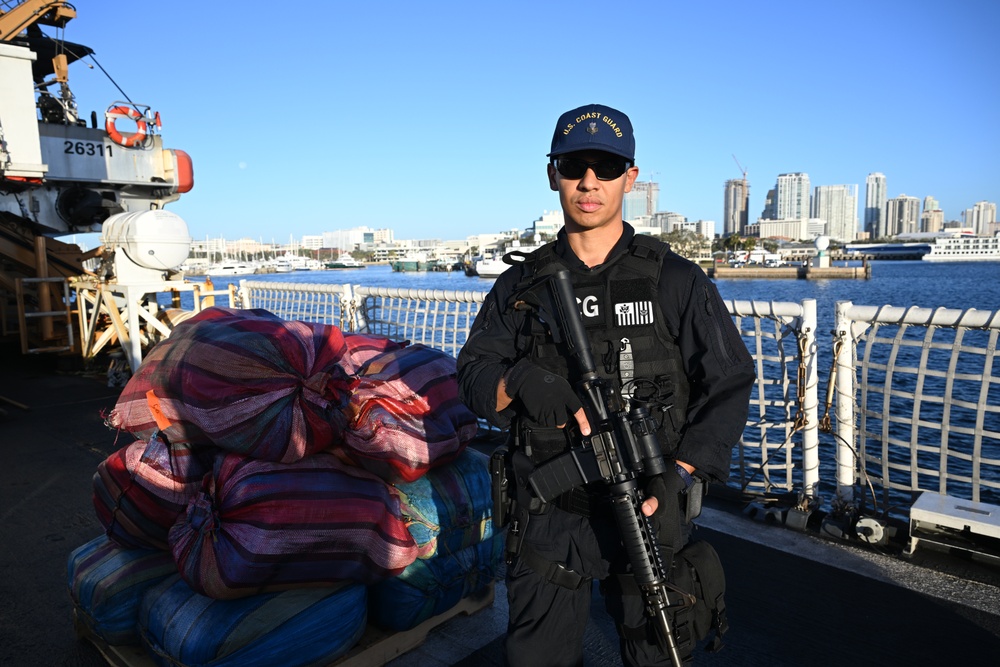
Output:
(607, 169)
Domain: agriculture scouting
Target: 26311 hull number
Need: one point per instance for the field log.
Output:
(86, 148)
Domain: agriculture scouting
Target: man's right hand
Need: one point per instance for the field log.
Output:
(546, 398)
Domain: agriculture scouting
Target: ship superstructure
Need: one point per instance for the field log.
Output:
(63, 173)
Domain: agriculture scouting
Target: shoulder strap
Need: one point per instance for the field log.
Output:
(645, 247)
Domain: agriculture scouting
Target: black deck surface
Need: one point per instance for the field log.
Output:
(784, 609)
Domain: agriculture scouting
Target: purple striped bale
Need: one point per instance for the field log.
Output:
(292, 629)
(106, 584)
(451, 507)
(433, 586)
(405, 414)
(142, 489)
(260, 526)
(143, 408)
(255, 384)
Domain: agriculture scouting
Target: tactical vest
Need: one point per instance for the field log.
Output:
(628, 333)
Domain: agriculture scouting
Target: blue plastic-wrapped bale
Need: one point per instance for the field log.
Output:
(433, 586)
(451, 507)
(307, 626)
(107, 582)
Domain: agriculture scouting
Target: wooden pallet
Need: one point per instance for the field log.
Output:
(376, 647)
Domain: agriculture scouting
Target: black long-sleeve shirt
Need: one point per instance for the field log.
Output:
(718, 366)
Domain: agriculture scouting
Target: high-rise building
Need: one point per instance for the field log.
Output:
(981, 217)
(902, 216)
(667, 221)
(837, 206)
(792, 197)
(770, 211)
(875, 199)
(643, 200)
(736, 207)
(932, 219)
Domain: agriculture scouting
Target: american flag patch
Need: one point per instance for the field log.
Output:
(634, 312)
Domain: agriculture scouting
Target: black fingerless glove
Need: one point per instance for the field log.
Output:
(546, 398)
(666, 488)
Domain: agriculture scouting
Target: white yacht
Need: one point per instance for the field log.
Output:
(231, 269)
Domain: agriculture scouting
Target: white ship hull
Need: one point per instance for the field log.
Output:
(965, 249)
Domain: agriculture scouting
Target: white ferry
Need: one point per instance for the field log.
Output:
(965, 249)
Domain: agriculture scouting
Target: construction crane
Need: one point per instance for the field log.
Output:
(742, 169)
(741, 224)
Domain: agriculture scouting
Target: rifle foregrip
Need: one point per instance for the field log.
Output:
(639, 541)
(648, 568)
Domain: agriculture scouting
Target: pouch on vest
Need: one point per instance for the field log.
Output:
(698, 570)
(697, 599)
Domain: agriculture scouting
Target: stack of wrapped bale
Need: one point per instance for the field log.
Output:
(449, 512)
(266, 472)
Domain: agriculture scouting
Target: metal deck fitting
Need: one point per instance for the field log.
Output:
(955, 523)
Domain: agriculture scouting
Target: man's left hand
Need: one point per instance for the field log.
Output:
(659, 487)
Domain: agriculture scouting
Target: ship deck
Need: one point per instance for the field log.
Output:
(793, 598)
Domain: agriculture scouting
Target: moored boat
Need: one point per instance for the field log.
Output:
(345, 262)
(411, 261)
(231, 269)
(491, 266)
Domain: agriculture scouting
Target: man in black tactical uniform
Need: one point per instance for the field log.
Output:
(658, 328)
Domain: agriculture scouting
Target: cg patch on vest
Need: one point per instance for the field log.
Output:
(590, 298)
(632, 313)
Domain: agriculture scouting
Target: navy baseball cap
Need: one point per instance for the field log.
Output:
(594, 127)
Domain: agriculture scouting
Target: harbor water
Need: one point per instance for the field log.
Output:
(892, 283)
(896, 283)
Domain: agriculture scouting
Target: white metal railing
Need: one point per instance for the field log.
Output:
(320, 303)
(779, 451)
(780, 446)
(918, 404)
(438, 318)
(917, 390)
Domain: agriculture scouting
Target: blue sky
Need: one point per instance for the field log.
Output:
(434, 118)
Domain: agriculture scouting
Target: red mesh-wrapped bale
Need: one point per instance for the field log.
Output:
(362, 348)
(260, 526)
(405, 414)
(141, 490)
(255, 384)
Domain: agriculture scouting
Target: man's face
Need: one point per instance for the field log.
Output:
(589, 202)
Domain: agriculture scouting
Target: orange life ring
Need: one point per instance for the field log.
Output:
(140, 126)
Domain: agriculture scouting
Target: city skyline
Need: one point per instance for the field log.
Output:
(423, 118)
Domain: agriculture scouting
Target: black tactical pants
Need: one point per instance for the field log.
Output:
(546, 621)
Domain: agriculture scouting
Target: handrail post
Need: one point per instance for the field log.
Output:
(847, 452)
(810, 435)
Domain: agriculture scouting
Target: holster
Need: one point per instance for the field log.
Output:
(693, 498)
(500, 486)
(513, 500)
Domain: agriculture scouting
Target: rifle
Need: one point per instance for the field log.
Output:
(622, 447)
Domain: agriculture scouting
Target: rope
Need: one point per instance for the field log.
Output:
(799, 422)
(115, 83)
